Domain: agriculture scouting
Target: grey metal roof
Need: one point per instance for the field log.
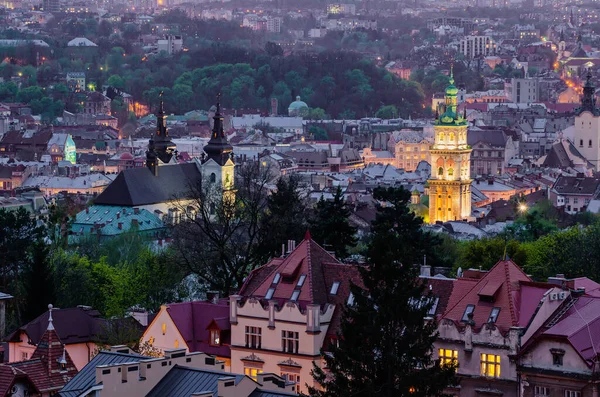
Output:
(4, 296)
(267, 393)
(139, 186)
(184, 381)
(86, 378)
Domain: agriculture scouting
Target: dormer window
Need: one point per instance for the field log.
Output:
(295, 295)
(276, 278)
(557, 356)
(469, 310)
(301, 280)
(215, 337)
(270, 293)
(334, 288)
(494, 315)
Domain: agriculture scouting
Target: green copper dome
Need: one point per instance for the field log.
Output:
(297, 104)
(451, 90)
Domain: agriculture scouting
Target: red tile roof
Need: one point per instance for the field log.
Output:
(500, 287)
(320, 270)
(192, 320)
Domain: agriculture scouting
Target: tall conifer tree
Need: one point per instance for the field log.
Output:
(385, 343)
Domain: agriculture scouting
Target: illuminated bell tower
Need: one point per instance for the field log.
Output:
(450, 183)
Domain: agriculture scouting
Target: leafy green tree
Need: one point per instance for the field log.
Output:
(486, 252)
(38, 281)
(316, 114)
(330, 226)
(385, 344)
(387, 112)
(318, 133)
(116, 81)
(29, 94)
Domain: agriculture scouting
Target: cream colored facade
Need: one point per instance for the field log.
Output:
(450, 183)
(269, 353)
(81, 353)
(587, 137)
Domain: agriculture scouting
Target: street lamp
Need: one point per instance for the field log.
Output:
(522, 207)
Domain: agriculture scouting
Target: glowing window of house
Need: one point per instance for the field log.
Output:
(295, 295)
(253, 337)
(448, 356)
(470, 309)
(490, 365)
(276, 278)
(289, 341)
(252, 372)
(151, 341)
(301, 280)
(215, 337)
(270, 293)
(164, 328)
(334, 288)
(450, 171)
(176, 344)
(494, 315)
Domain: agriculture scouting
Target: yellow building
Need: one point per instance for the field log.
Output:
(450, 183)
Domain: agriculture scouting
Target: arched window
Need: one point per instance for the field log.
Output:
(450, 171)
(452, 137)
(442, 137)
(212, 208)
(590, 143)
(441, 171)
(213, 177)
(581, 142)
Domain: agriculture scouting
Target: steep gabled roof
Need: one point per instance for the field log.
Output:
(500, 287)
(184, 381)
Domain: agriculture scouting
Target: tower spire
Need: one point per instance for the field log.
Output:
(50, 320)
(218, 148)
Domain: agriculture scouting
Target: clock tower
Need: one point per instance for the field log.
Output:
(450, 182)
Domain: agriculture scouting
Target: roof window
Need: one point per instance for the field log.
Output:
(276, 278)
(334, 288)
(494, 315)
(295, 295)
(270, 293)
(301, 280)
(469, 310)
(350, 299)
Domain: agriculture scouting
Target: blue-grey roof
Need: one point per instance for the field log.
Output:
(267, 393)
(184, 381)
(107, 215)
(86, 378)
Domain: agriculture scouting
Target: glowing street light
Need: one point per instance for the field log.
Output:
(523, 207)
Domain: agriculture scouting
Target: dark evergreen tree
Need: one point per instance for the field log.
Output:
(385, 344)
(285, 217)
(38, 281)
(330, 226)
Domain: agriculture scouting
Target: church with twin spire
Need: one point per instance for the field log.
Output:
(450, 181)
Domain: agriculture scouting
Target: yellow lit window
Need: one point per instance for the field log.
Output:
(448, 356)
(164, 328)
(151, 341)
(490, 365)
(176, 344)
(252, 372)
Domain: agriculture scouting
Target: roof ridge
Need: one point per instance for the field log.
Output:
(511, 307)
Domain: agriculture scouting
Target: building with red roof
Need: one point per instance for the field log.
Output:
(45, 373)
(287, 310)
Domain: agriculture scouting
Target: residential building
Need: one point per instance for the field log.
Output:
(492, 149)
(171, 44)
(44, 372)
(523, 90)
(587, 125)
(274, 24)
(288, 125)
(12, 176)
(475, 46)
(61, 147)
(450, 183)
(76, 81)
(79, 330)
(32, 201)
(574, 193)
(409, 148)
(25, 145)
(343, 8)
(287, 311)
(96, 103)
(119, 372)
(199, 326)
(91, 184)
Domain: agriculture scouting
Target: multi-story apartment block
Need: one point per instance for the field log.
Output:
(522, 90)
(409, 148)
(474, 46)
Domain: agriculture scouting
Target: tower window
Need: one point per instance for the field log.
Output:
(450, 171)
(590, 143)
(581, 142)
(441, 171)
(213, 176)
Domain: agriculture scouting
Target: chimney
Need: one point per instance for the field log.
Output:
(87, 210)
(120, 226)
(425, 271)
(136, 210)
(212, 296)
(134, 223)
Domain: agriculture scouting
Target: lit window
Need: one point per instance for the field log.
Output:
(270, 293)
(215, 337)
(448, 356)
(253, 337)
(494, 315)
(289, 341)
(470, 309)
(350, 299)
(572, 393)
(334, 288)
(295, 295)
(294, 378)
(252, 372)
(276, 278)
(164, 328)
(151, 341)
(541, 391)
(301, 280)
(490, 365)
(176, 344)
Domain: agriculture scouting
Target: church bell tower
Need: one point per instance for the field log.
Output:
(160, 147)
(450, 182)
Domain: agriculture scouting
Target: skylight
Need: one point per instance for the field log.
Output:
(470, 309)
(350, 299)
(494, 315)
(301, 280)
(270, 293)
(276, 278)
(295, 295)
(334, 288)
